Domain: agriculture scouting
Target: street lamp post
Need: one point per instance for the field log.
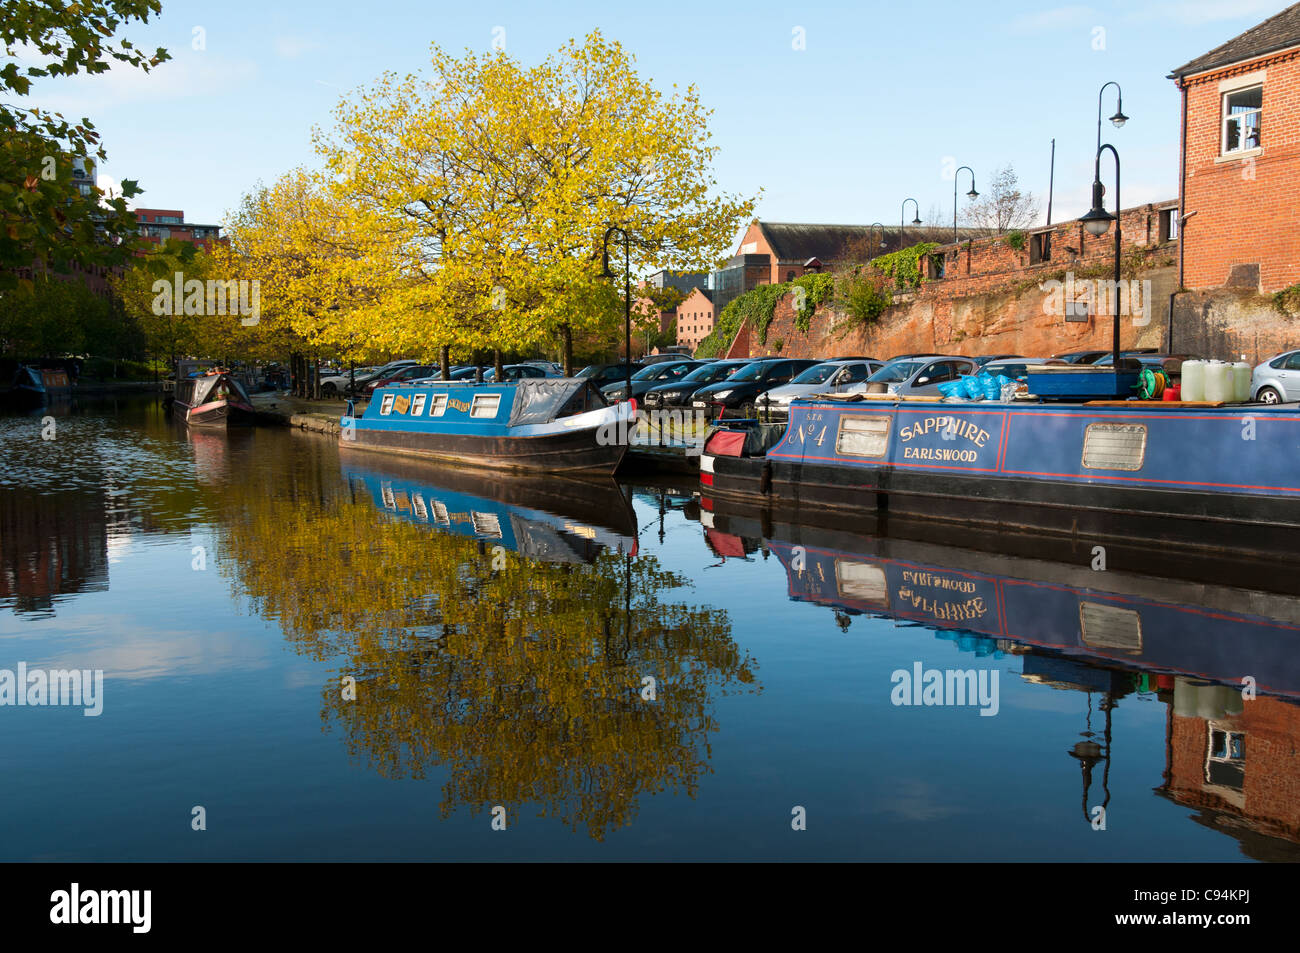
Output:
(871, 230)
(972, 194)
(902, 210)
(1119, 118)
(627, 295)
(1097, 221)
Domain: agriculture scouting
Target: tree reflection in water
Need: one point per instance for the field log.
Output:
(522, 679)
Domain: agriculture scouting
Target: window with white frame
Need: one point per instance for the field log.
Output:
(438, 407)
(485, 405)
(1242, 109)
(417, 404)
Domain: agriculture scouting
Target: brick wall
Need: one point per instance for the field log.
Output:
(1245, 208)
(1270, 796)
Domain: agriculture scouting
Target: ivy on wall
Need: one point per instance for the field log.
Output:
(758, 305)
(904, 265)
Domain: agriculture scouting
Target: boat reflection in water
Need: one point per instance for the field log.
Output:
(1223, 660)
(496, 633)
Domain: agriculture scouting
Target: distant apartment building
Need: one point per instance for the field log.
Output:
(695, 318)
(157, 225)
(1240, 170)
(684, 282)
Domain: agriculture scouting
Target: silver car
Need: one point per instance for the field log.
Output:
(829, 377)
(1277, 381)
(915, 376)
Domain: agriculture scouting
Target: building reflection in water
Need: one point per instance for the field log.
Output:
(1104, 635)
(51, 545)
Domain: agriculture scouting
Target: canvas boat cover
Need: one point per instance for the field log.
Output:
(541, 400)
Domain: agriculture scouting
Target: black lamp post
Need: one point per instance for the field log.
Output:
(1097, 221)
(627, 295)
(972, 194)
(871, 230)
(1119, 118)
(902, 210)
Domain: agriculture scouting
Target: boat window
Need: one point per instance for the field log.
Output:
(386, 407)
(862, 581)
(863, 436)
(485, 524)
(417, 404)
(438, 407)
(1115, 446)
(485, 405)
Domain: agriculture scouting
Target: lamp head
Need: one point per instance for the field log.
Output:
(1119, 118)
(917, 220)
(1097, 220)
(972, 193)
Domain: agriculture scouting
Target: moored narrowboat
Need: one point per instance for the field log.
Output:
(551, 425)
(39, 384)
(214, 399)
(1217, 476)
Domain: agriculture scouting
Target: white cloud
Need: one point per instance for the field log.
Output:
(1057, 18)
(190, 74)
(292, 47)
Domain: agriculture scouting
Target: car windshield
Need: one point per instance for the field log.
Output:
(708, 373)
(895, 373)
(816, 374)
(750, 372)
(651, 372)
(591, 370)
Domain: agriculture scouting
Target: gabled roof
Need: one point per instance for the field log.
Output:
(792, 241)
(1276, 33)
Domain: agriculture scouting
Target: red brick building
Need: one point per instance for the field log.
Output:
(157, 225)
(1240, 172)
(695, 318)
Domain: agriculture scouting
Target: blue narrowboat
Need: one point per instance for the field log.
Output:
(38, 384)
(553, 425)
(552, 520)
(1223, 473)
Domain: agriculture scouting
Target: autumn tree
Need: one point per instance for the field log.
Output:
(493, 184)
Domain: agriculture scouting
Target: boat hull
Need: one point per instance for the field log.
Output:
(1220, 479)
(215, 414)
(572, 452)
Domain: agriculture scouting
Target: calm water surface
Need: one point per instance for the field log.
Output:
(345, 656)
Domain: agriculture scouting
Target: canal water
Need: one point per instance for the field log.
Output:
(314, 654)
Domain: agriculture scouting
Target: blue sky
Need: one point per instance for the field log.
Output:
(868, 113)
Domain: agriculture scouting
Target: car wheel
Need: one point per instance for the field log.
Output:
(1268, 395)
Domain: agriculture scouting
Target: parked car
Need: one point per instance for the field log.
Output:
(513, 372)
(603, 374)
(661, 372)
(335, 384)
(986, 358)
(411, 372)
(1080, 357)
(380, 373)
(550, 367)
(916, 377)
(737, 396)
(828, 377)
(1108, 357)
(1173, 363)
(1015, 368)
(1277, 380)
(678, 393)
(648, 359)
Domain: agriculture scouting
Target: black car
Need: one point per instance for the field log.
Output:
(602, 375)
(678, 393)
(737, 395)
(661, 373)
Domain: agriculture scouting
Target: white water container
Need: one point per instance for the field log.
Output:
(1241, 374)
(1218, 381)
(1193, 386)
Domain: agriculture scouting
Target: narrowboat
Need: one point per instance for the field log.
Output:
(556, 519)
(552, 425)
(39, 384)
(1221, 476)
(214, 399)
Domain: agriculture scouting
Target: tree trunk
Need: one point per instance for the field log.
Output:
(567, 358)
(444, 361)
(496, 363)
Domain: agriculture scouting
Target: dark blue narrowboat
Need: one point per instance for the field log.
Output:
(555, 519)
(1217, 471)
(36, 385)
(552, 425)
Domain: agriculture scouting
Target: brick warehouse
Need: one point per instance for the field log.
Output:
(1240, 159)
